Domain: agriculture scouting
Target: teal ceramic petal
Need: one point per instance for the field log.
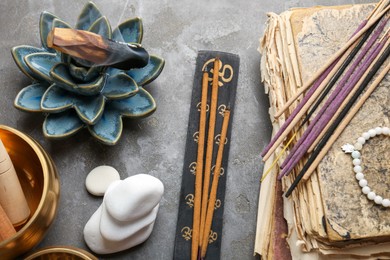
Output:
(89, 108)
(61, 76)
(61, 125)
(29, 98)
(57, 23)
(19, 52)
(108, 129)
(56, 99)
(129, 31)
(148, 73)
(102, 27)
(140, 105)
(88, 16)
(45, 26)
(41, 64)
(119, 86)
(84, 74)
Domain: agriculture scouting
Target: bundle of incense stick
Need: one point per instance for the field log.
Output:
(351, 63)
(204, 200)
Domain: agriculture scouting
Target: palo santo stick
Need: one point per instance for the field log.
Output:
(7, 230)
(214, 186)
(199, 168)
(210, 144)
(95, 48)
(12, 198)
(340, 52)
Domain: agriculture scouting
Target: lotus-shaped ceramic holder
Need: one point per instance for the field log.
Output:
(74, 97)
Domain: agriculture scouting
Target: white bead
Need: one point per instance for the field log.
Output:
(359, 176)
(355, 155)
(372, 132)
(357, 168)
(371, 195)
(363, 183)
(386, 131)
(358, 146)
(386, 203)
(378, 200)
(366, 135)
(378, 130)
(356, 161)
(361, 140)
(366, 189)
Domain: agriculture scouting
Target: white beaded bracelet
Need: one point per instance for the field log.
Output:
(356, 160)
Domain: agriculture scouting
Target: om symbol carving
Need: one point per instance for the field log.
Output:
(221, 171)
(222, 109)
(190, 200)
(226, 75)
(218, 139)
(198, 107)
(212, 236)
(196, 136)
(192, 168)
(217, 204)
(186, 233)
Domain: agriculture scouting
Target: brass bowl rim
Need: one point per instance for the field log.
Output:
(62, 249)
(45, 172)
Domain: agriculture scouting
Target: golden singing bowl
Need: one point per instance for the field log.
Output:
(39, 180)
(63, 252)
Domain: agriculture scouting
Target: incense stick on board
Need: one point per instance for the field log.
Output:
(214, 186)
(209, 148)
(199, 168)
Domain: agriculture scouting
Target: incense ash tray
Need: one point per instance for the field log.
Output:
(74, 97)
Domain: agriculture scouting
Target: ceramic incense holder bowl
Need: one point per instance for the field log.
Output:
(38, 178)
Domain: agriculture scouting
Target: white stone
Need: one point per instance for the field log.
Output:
(356, 161)
(372, 132)
(355, 155)
(371, 195)
(126, 216)
(378, 200)
(359, 176)
(386, 130)
(357, 168)
(144, 192)
(366, 135)
(378, 130)
(363, 183)
(358, 146)
(361, 140)
(100, 178)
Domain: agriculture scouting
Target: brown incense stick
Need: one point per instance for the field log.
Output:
(7, 230)
(214, 186)
(345, 102)
(340, 52)
(199, 168)
(345, 122)
(209, 150)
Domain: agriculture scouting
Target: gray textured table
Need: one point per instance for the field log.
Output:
(174, 30)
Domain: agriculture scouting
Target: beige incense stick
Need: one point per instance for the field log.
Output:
(210, 144)
(345, 122)
(6, 228)
(214, 186)
(347, 99)
(199, 168)
(308, 104)
(12, 198)
(340, 52)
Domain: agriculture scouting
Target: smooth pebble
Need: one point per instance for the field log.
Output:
(100, 178)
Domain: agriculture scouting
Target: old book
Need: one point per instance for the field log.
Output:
(328, 215)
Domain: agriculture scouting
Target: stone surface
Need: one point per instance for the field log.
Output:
(100, 178)
(175, 30)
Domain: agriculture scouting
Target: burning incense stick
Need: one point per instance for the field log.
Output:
(199, 168)
(210, 144)
(340, 123)
(214, 187)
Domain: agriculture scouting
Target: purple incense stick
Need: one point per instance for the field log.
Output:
(307, 96)
(337, 90)
(332, 109)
